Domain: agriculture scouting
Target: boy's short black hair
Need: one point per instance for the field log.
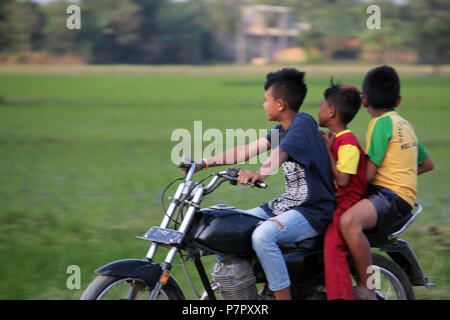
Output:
(289, 85)
(381, 87)
(346, 98)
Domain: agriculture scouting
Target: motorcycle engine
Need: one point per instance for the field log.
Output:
(236, 279)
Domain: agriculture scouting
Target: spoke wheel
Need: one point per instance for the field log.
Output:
(118, 288)
(391, 282)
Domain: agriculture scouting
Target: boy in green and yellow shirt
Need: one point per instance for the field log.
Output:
(393, 147)
(394, 158)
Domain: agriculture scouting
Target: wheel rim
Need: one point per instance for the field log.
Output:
(389, 287)
(128, 289)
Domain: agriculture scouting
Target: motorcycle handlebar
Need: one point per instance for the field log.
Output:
(258, 184)
(232, 175)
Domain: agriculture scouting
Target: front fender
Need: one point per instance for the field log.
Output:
(147, 271)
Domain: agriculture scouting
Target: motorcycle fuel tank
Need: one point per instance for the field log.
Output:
(225, 230)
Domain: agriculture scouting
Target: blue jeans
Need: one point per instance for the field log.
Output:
(289, 227)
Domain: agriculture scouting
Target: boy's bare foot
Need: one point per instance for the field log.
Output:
(363, 293)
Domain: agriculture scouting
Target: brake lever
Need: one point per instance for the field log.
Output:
(186, 162)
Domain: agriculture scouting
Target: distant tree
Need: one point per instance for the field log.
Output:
(432, 30)
(185, 34)
(333, 23)
(21, 26)
(4, 37)
(57, 38)
(202, 31)
(396, 32)
(223, 17)
(114, 30)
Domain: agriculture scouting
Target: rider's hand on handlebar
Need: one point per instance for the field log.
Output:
(246, 176)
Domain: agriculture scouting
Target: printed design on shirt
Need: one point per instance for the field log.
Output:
(296, 188)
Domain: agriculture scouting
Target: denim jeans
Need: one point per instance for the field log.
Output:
(289, 227)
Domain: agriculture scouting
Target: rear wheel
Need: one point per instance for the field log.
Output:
(391, 282)
(120, 288)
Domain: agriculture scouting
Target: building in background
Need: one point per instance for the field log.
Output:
(267, 34)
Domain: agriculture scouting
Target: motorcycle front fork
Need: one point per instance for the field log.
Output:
(167, 264)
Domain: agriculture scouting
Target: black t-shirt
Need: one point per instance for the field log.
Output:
(307, 172)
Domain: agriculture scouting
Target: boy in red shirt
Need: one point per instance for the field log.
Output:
(340, 105)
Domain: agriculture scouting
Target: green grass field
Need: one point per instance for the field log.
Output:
(84, 156)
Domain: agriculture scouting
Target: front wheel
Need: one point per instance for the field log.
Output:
(121, 288)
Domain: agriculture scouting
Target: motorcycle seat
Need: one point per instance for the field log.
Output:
(378, 238)
(307, 245)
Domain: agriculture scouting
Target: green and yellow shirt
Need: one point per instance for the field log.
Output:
(393, 146)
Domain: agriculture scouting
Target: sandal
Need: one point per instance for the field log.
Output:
(362, 293)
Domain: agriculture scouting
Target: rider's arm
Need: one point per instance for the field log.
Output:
(239, 154)
(423, 159)
(371, 169)
(425, 166)
(276, 158)
(342, 178)
(348, 160)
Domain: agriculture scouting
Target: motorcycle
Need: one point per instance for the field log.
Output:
(225, 230)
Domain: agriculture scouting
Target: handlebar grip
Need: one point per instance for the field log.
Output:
(232, 174)
(261, 184)
(258, 184)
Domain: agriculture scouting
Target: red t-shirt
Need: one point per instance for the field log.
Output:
(350, 159)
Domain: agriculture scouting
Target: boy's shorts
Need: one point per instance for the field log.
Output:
(392, 211)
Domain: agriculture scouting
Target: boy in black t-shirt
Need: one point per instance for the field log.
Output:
(306, 207)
